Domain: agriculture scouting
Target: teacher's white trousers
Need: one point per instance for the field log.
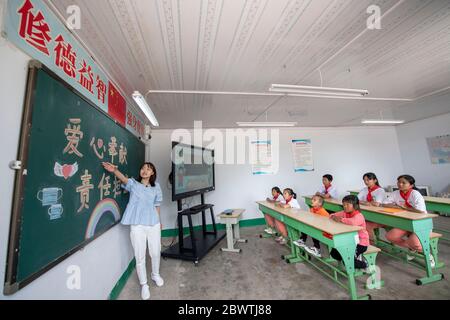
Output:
(140, 236)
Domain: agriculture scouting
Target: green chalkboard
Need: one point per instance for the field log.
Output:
(64, 198)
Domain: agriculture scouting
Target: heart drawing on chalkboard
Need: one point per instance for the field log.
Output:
(65, 171)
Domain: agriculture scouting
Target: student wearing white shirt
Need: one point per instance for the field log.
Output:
(409, 199)
(372, 195)
(290, 201)
(327, 190)
(277, 197)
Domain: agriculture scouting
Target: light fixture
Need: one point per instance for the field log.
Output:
(142, 103)
(351, 96)
(328, 91)
(266, 124)
(382, 121)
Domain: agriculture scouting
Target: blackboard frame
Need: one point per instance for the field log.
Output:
(11, 284)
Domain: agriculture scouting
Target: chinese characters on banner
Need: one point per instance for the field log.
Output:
(303, 157)
(31, 26)
(134, 123)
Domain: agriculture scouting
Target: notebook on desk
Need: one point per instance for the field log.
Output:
(392, 210)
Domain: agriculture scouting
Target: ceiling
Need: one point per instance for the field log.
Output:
(246, 45)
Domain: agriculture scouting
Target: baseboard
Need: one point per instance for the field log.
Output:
(168, 234)
(115, 292)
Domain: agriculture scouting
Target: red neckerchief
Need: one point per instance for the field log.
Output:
(351, 215)
(275, 198)
(316, 210)
(369, 194)
(287, 201)
(327, 188)
(405, 197)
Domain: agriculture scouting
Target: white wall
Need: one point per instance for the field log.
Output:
(347, 153)
(103, 261)
(415, 155)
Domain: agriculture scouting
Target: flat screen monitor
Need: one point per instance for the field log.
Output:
(192, 171)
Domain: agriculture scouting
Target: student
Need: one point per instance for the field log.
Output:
(317, 208)
(290, 201)
(143, 215)
(372, 195)
(327, 191)
(352, 216)
(277, 197)
(408, 198)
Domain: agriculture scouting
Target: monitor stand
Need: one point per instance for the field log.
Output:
(199, 242)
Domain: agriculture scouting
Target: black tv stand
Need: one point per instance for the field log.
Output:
(198, 243)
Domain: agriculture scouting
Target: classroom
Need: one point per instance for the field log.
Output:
(231, 150)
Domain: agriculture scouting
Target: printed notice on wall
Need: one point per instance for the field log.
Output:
(303, 157)
(261, 157)
(439, 148)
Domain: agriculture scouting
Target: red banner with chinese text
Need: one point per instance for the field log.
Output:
(117, 105)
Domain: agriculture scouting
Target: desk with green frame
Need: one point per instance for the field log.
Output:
(333, 234)
(433, 204)
(419, 223)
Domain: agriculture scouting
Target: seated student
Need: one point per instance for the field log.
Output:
(352, 216)
(327, 191)
(290, 201)
(372, 195)
(317, 208)
(409, 199)
(277, 197)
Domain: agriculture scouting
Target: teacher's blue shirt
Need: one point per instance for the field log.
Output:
(141, 209)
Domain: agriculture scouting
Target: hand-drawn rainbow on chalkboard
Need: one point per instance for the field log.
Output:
(104, 207)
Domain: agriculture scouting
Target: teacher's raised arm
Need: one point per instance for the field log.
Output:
(113, 169)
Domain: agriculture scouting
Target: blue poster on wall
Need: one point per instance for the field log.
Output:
(439, 148)
(303, 157)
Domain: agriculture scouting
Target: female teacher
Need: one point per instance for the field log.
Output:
(143, 215)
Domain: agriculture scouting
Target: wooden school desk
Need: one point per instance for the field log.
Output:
(419, 223)
(232, 226)
(435, 204)
(336, 235)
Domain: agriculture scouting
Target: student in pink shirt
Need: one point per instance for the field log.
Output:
(353, 217)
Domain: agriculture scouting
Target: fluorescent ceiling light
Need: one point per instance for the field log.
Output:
(382, 121)
(286, 88)
(315, 93)
(275, 94)
(266, 124)
(142, 103)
